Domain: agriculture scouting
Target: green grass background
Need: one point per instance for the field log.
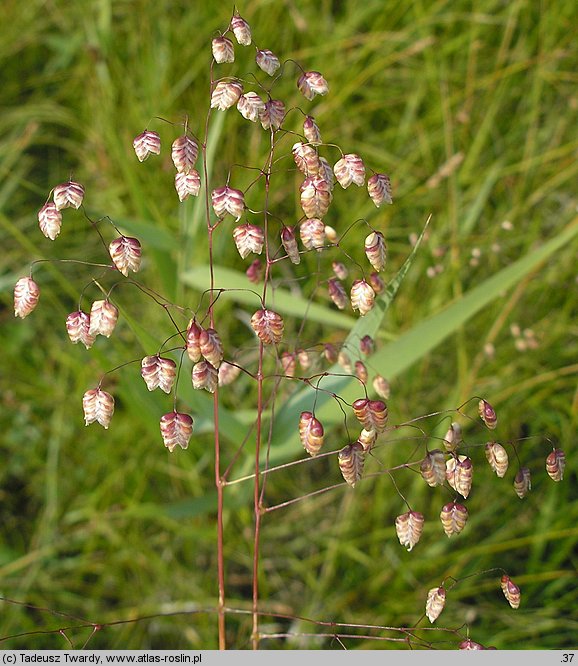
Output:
(106, 525)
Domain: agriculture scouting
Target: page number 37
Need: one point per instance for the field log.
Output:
(567, 657)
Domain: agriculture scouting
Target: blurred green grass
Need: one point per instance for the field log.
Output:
(107, 526)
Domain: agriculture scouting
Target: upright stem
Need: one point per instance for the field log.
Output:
(218, 481)
(258, 425)
(257, 504)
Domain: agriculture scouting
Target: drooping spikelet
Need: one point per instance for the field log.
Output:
(227, 373)
(184, 152)
(241, 30)
(98, 406)
(487, 414)
(522, 482)
(223, 50)
(350, 169)
(211, 346)
(145, 144)
(103, 318)
(187, 184)
(228, 200)
(497, 457)
(248, 238)
(453, 437)
(351, 459)
(409, 527)
(251, 106)
(436, 600)
(511, 591)
(256, 271)
(375, 250)
(226, 94)
(372, 414)
(337, 293)
(367, 345)
(312, 233)
(274, 114)
(315, 196)
(26, 295)
(379, 188)
(158, 372)
(306, 159)
(311, 433)
(289, 364)
(311, 84)
(361, 371)
(267, 61)
(78, 328)
(289, 242)
(454, 517)
(126, 254)
(205, 376)
(382, 387)
(268, 325)
(433, 468)
(555, 464)
(469, 644)
(194, 331)
(176, 430)
(311, 130)
(459, 472)
(68, 194)
(362, 297)
(50, 220)
(367, 439)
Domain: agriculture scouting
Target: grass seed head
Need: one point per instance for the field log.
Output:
(433, 468)
(103, 318)
(375, 250)
(311, 433)
(205, 376)
(409, 527)
(193, 341)
(241, 30)
(251, 106)
(68, 194)
(98, 406)
(126, 254)
(311, 84)
(176, 430)
(555, 464)
(184, 153)
(351, 459)
(78, 328)
(511, 591)
(50, 220)
(379, 189)
(497, 457)
(487, 414)
(311, 130)
(211, 346)
(267, 61)
(268, 326)
(187, 184)
(362, 297)
(436, 600)
(454, 517)
(145, 144)
(158, 372)
(223, 50)
(226, 94)
(522, 482)
(26, 296)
